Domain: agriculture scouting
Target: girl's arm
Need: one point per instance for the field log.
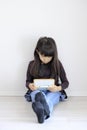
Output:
(29, 77)
(64, 81)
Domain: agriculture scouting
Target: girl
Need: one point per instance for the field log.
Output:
(45, 65)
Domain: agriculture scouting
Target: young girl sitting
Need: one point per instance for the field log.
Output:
(45, 65)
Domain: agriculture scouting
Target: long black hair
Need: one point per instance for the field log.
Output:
(47, 47)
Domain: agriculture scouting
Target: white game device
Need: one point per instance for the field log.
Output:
(43, 83)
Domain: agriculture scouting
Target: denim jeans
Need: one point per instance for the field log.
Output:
(52, 98)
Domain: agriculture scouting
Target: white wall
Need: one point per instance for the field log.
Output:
(22, 22)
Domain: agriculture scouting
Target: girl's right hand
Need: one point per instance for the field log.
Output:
(32, 87)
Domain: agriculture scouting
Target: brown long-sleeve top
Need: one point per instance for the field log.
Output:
(45, 72)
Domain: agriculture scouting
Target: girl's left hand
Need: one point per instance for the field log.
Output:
(54, 88)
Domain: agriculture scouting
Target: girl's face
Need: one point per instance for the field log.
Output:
(45, 59)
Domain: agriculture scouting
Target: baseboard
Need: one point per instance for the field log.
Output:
(22, 93)
(12, 93)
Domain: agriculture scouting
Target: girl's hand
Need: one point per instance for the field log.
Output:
(32, 87)
(55, 88)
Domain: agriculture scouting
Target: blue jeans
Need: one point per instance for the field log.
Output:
(52, 98)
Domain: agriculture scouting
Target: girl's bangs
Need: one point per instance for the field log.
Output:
(47, 52)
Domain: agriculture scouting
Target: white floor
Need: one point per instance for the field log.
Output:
(16, 114)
